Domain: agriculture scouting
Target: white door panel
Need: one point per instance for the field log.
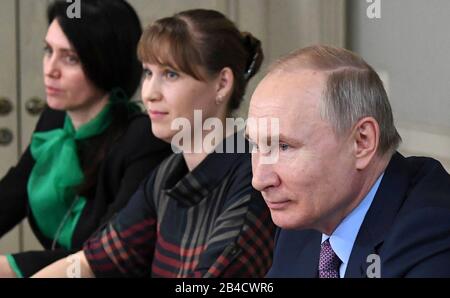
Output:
(33, 27)
(8, 91)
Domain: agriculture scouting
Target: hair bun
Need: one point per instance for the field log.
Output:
(255, 54)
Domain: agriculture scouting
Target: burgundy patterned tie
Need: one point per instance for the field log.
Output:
(329, 262)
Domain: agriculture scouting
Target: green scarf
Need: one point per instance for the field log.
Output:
(53, 200)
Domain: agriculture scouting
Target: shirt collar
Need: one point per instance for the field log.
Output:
(343, 237)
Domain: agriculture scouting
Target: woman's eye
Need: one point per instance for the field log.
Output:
(147, 72)
(71, 59)
(170, 74)
(47, 50)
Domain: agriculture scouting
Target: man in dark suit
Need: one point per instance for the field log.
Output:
(347, 204)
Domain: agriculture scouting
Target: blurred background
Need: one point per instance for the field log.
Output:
(404, 40)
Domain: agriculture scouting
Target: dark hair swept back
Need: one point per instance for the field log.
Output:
(105, 38)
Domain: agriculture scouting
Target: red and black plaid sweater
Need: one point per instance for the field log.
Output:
(206, 223)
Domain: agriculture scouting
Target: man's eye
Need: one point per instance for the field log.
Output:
(253, 146)
(284, 147)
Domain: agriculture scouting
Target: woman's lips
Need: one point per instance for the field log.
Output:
(52, 90)
(156, 114)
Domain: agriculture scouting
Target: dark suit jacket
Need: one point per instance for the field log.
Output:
(128, 161)
(407, 225)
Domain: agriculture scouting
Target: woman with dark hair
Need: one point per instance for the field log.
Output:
(197, 215)
(92, 146)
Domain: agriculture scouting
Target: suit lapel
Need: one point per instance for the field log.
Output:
(296, 254)
(380, 216)
(308, 260)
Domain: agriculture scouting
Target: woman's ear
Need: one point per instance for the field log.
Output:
(225, 82)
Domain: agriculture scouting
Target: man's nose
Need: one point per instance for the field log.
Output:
(264, 174)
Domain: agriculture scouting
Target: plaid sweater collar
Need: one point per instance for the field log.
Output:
(189, 188)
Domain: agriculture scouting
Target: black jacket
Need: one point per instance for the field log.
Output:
(128, 161)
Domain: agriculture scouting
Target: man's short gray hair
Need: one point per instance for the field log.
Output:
(353, 90)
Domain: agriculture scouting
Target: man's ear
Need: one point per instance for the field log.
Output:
(366, 136)
(225, 82)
